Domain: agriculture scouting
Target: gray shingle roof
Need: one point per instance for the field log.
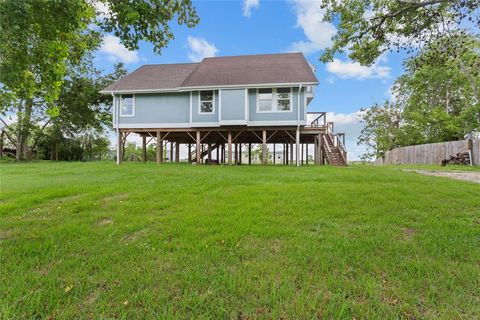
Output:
(154, 77)
(291, 68)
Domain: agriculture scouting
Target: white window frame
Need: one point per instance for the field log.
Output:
(122, 115)
(274, 102)
(200, 102)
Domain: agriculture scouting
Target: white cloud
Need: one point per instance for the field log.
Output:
(102, 9)
(309, 18)
(116, 52)
(200, 48)
(349, 69)
(248, 5)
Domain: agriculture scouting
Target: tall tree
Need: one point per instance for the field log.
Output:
(437, 99)
(439, 91)
(40, 39)
(382, 129)
(367, 28)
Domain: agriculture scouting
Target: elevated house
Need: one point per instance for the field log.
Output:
(222, 104)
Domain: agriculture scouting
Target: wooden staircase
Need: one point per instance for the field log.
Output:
(193, 154)
(335, 153)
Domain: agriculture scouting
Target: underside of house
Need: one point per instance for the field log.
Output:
(218, 110)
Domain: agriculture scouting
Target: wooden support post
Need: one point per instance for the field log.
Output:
(189, 153)
(297, 147)
(119, 146)
(144, 148)
(240, 153)
(315, 151)
(159, 147)
(301, 155)
(198, 147)
(264, 147)
(230, 148)
(274, 155)
(218, 153)
(249, 153)
(306, 154)
(291, 153)
(321, 159)
(177, 151)
(222, 153)
(286, 153)
(209, 152)
(236, 153)
(171, 151)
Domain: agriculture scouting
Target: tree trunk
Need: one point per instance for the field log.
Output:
(26, 128)
(1, 143)
(18, 156)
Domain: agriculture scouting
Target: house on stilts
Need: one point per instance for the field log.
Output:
(222, 105)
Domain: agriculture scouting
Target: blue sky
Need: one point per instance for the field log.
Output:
(257, 26)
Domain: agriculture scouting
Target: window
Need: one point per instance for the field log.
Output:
(274, 100)
(265, 99)
(207, 101)
(127, 105)
(283, 99)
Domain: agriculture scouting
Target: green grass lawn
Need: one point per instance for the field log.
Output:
(96, 240)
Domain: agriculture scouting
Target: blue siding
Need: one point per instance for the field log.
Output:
(233, 104)
(160, 108)
(199, 118)
(275, 116)
(170, 109)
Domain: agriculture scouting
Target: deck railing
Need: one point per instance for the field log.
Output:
(320, 119)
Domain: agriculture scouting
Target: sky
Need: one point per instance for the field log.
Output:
(242, 27)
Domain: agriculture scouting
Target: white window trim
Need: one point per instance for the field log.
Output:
(120, 107)
(200, 103)
(274, 94)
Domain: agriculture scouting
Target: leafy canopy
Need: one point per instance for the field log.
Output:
(367, 28)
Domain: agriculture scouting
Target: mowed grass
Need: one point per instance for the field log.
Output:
(138, 241)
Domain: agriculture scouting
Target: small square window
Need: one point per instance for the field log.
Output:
(207, 101)
(206, 107)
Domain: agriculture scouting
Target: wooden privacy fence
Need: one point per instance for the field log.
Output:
(432, 153)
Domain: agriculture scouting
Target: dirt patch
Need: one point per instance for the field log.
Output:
(408, 233)
(115, 197)
(458, 175)
(6, 234)
(134, 236)
(104, 221)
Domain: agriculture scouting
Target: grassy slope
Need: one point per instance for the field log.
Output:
(180, 241)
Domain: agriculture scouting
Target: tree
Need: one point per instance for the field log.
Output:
(437, 99)
(439, 91)
(367, 28)
(41, 40)
(381, 131)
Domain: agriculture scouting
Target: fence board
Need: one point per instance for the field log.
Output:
(432, 153)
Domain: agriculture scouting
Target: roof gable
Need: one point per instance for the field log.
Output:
(250, 70)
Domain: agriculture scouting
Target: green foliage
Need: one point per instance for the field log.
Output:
(381, 131)
(367, 28)
(437, 99)
(46, 49)
(147, 20)
(148, 241)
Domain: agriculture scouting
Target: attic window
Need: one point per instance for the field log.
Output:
(127, 105)
(207, 101)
